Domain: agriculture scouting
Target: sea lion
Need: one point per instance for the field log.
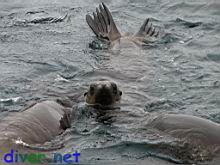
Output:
(43, 121)
(103, 93)
(37, 124)
(104, 27)
(191, 128)
(202, 135)
(195, 129)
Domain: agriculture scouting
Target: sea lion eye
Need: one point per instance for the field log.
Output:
(120, 93)
(92, 89)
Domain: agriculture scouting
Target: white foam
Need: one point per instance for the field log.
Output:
(14, 100)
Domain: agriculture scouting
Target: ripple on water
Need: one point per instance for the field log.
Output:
(25, 19)
(214, 57)
(162, 105)
(188, 24)
(40, 40)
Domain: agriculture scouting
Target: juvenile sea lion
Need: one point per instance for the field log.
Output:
(103, 25)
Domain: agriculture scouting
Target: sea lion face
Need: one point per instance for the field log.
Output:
(103, 92)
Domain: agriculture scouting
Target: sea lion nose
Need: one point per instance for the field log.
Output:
(104, 96)
(104, 86)
(104, 91)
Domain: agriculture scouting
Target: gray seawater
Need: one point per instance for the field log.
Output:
(45, 53)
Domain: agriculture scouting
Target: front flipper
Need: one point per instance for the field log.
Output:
(65, 121)
(102, 24)
(146, 32)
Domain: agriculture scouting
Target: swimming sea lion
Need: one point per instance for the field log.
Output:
(201, 134)
(194, 129)
(103, 25)
(103, 92)
(37, 124)
(45, 120)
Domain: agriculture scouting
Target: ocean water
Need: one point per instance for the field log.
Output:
(45, 53)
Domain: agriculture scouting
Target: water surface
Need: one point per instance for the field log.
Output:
(45, 54)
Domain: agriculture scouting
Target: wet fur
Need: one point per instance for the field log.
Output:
(103, 93)
(37, 124)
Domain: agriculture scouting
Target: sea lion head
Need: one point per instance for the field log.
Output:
(103, 92)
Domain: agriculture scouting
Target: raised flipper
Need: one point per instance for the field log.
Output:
(102, 24)
(146, 31)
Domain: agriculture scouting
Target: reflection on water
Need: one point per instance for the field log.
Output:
(45, 53)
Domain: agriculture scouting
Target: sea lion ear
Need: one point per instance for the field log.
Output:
(85, 94)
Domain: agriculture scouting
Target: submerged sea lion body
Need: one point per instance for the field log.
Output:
(125, 42)
(195, 129)
(37, 124)
(199, 137)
